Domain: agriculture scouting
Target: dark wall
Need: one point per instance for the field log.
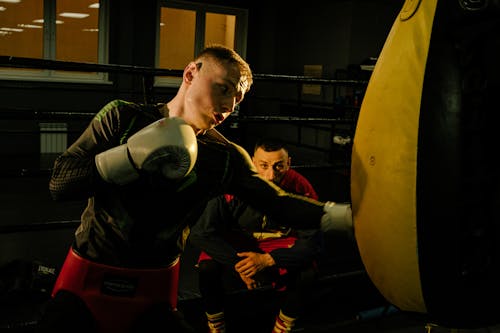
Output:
(283, 38)
(370, 25)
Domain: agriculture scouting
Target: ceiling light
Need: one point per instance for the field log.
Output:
(2, 8)
(74, 15)
(11, 1)
(90, 30)
(94, 5)
(11, 29)
(33, 26)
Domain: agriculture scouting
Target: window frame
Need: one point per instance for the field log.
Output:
(240, 33)
(49, 51)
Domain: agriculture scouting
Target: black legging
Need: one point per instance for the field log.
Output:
(297, 295)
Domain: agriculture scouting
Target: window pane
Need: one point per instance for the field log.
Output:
(177, 36)
(21, 29)
(77, 34)
(220, 29)
(186, 28)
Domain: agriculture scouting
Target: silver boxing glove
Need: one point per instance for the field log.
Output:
(337, 218)
(168, 147)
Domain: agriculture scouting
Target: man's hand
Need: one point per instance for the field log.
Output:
(251, 283)
(252, 263)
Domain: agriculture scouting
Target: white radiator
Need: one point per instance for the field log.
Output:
(53, 137)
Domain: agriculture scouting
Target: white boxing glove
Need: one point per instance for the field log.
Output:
(168, 146)
(337, 218)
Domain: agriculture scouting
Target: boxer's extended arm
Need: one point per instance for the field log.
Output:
(305, 249)
(285, 208)
(289, 209)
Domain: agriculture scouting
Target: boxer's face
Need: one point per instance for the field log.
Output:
(214, 91)
(271, 165)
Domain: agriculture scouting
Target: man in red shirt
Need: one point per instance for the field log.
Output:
(273, 163)
(238, 239)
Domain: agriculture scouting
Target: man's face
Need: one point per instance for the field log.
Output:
(271, 165)
(212, 95)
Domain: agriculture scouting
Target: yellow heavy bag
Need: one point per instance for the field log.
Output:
(425, 184)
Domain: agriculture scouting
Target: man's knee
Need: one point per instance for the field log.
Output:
(209, 267)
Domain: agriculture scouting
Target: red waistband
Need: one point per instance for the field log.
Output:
(116, 295)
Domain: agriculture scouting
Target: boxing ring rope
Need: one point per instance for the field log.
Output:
(22, 62)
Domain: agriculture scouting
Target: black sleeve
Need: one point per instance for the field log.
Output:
(73, 178)
(306, 249)
(207, 234)
(74, 174)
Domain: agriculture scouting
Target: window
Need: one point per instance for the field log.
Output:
(185, 28)
(48, 30)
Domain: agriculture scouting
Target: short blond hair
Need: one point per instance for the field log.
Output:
(226, 55)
